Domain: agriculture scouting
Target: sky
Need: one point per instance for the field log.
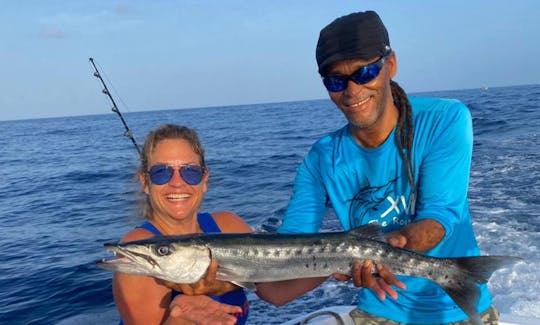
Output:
(161, 54)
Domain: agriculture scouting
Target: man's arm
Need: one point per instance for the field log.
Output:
(418, 236)
(282, 292)
(443, 180)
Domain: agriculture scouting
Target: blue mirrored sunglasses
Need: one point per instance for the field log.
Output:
(162, 174)
(361, 76)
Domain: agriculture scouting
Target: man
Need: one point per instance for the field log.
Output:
(401, 163)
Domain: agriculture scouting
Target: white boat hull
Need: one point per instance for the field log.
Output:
(328, 316)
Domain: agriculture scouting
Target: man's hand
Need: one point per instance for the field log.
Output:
(201, 310)
(397, 240)
(419, 236)
(208, 285)
(363, 276)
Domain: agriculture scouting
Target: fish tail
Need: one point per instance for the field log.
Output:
(473, 270)
(480, 268)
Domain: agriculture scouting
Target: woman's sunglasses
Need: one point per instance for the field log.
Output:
(162, 174)
(361, 76)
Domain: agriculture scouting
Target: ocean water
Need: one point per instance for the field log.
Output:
(68, 187)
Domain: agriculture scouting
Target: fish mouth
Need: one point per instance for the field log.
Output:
(125, 259)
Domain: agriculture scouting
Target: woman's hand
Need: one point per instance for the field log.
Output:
(201, 310)
(207, 285)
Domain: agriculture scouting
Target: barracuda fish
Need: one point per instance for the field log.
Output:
(250, 258)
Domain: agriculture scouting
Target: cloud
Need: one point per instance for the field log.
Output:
(76, 22)
(52, 32)
(123, 9)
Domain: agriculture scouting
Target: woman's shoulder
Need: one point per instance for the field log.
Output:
(230, 222)
(136, 234)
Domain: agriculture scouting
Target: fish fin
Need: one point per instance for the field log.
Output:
(370, 231)
(480, 268)
(465, 294)
(227, 274)
(463, 289)
(248, 285)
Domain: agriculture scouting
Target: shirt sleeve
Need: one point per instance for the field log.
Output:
(307, 207)
(444, 171)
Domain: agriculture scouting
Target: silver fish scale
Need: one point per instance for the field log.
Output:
(414, 264)
(262, 261)
(245, 261)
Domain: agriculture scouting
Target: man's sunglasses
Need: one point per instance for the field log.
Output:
(361, 76)
(162, 174)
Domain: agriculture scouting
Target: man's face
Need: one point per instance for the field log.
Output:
(364, 105)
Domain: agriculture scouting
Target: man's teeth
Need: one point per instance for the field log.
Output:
(360, 103)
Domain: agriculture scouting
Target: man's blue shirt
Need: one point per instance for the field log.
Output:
(370, 185)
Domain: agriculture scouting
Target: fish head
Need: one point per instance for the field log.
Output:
(167, 259)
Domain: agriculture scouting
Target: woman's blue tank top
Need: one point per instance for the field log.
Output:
(236, 297)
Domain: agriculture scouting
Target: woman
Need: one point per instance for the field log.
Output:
(174, 178)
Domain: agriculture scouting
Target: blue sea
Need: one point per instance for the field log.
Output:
(68, 187)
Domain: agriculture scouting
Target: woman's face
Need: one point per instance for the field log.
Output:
(176, 199)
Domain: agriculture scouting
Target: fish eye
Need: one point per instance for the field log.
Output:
(163, 250)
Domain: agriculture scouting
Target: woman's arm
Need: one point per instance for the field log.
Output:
(140, 299)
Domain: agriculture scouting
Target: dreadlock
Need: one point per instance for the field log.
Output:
(404, 133)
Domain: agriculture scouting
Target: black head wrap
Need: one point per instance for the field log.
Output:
(360, 35)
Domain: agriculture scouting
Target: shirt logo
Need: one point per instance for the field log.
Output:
(380, 204)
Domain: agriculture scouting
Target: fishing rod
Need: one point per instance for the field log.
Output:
(114, 108)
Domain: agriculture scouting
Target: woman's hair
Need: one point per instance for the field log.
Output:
(164, 132)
